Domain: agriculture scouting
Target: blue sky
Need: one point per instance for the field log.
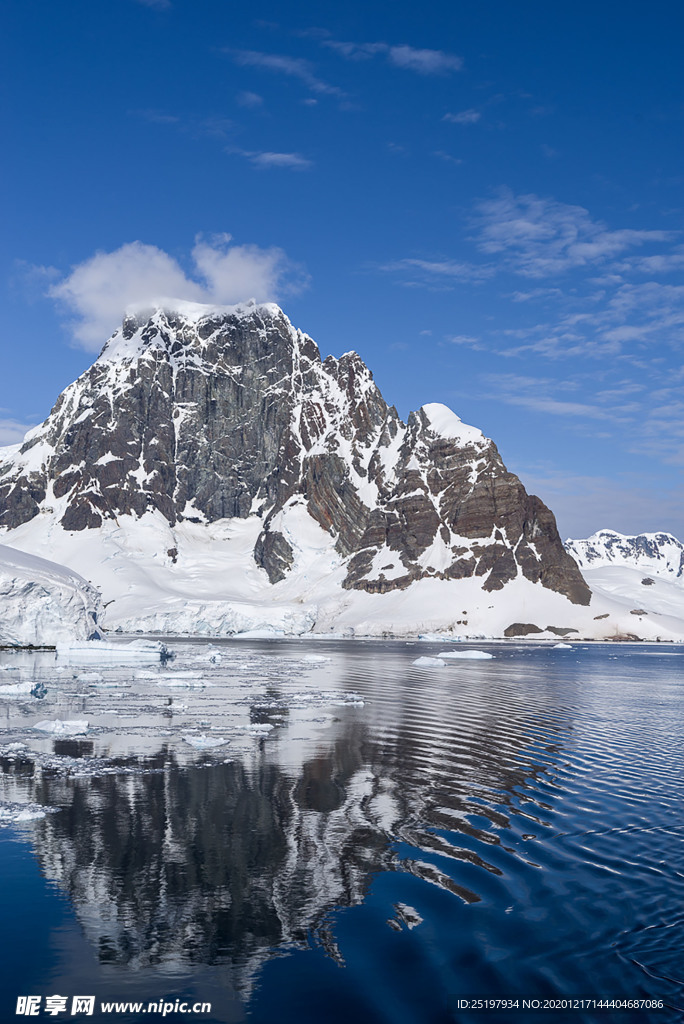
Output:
(484, 199)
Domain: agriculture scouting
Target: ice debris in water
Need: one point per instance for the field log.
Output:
(470, 655)
(429, 663)
(562, 647)
(90, 677)
(66, 727)
(316, 659)
(204, 742)
(14, 813)
(16, 690)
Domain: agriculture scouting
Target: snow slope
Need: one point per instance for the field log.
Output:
(212, 586)
(643, 574)
(42, 602)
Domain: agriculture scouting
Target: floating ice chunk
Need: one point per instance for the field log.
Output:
(90, 677)
(11, 813)
(139, 651)
(562, 647)
(189, 680)
(16, 690)
(429, 663)
(316, 659)
(470, 655)
(259, 728)
(66, 727)
(204, 742)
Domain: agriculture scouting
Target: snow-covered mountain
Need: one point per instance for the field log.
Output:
(644, 574)
(211, 474)
(42, 603)
(656, 554)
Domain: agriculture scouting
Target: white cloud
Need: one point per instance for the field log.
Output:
(440, 272)
(249, 99)
(12, 431)
(293, 161)
(294, 67)
(538, 237)
(463, 117)
(99, 290)
(424, 62)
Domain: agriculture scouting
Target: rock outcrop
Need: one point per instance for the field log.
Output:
(207, 414)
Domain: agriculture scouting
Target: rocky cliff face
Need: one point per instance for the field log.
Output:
(205, 414)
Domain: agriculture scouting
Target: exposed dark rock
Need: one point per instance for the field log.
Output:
(561, 630)
(522, 629)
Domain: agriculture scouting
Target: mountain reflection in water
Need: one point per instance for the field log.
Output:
(499, 827)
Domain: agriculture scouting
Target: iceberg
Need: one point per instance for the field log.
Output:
(466, 655)
(43, 603)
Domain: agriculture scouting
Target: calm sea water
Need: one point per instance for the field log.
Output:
(400, 840)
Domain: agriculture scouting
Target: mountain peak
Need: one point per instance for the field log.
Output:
(167, 317)
(213, 413)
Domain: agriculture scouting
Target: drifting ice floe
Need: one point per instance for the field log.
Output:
(69, 727)
(429, 663)
(562, 647)
(139, 651)
(469, 655)
(204, 742)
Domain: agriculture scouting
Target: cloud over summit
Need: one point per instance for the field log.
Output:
(98, 291)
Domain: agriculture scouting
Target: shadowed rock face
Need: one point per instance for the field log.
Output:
(220, 414)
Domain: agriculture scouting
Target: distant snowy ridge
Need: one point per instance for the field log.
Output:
(42, 602)
(655, 554)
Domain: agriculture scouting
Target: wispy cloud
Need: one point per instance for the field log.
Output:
(265, 160)
(249, 99)
(441, 272)
(537, 395)
(12, 431)
(585, 504)
(293, 67)
(539, 237)
(463, 117)
(99, 290)
(422, 61)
